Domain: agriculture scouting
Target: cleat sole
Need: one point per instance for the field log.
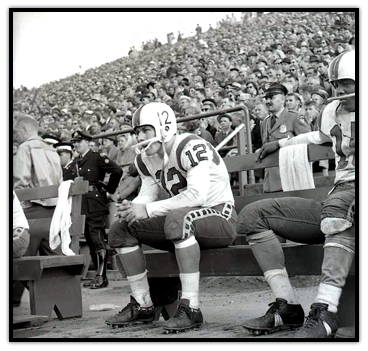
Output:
(181, 330)
(271, 331)
(126, 324)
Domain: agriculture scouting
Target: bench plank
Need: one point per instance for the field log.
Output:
(238, 261)
(47, 192)
(248, 162)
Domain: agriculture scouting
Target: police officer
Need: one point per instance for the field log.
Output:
(65, 151)
(93, 166)
(279, 124)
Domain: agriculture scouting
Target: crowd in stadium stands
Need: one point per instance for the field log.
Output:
(223, 67)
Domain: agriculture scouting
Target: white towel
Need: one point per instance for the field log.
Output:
(296, 171)
(61, 220)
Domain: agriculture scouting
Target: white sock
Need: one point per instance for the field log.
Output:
(330, 295)
(190, 288)
(140, 289)
(280, 285)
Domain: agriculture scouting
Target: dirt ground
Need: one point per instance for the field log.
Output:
(225, 303)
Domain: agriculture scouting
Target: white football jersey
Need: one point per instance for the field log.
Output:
(195, 176)
(339, 125)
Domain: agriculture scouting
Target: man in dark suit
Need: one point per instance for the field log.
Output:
(93, 166)
(279, 124)
(65, 151)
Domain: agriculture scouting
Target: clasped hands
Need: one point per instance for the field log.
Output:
(131, 212)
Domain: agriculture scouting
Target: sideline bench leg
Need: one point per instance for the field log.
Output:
(62, 294)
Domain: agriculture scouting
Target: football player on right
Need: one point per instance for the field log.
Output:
(307, 221)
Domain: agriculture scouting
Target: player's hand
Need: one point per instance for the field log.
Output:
(122, 209)
(131, 212)
(266, 149)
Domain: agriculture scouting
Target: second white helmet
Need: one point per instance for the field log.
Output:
(342, 66)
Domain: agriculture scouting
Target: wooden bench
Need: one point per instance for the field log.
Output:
(238, 260)
(54, 282)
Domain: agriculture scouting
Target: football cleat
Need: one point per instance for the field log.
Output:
(280, 316)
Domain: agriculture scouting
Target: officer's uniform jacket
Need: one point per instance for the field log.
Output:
(288, 124)
(70, 171)
(93, 167)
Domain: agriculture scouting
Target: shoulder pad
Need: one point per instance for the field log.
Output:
(140, 165)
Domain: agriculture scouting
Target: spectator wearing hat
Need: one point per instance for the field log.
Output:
(279, 124)
(93, 167)
(184, 103)
(234, 74)
(320, 96)
(225, 122)
(65, 152)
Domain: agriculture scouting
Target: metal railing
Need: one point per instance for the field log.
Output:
(244, 144)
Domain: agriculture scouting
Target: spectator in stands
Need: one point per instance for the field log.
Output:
(225, 122)
(306, 92)
(260, 111)
(35, 164)
(162, 94)
(20, 229)
(252, 88)
(110, 149)
(311, 112)
(294, 102)
(320, 96)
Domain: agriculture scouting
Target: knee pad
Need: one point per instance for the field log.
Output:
(334, 225)
(258, 238)
(344, 240)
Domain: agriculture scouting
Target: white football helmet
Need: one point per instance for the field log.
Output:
(342, 66)
(158, 115)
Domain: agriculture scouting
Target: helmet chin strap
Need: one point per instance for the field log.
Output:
(143, 143)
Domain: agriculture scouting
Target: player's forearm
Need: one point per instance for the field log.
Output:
(188, 198)
(306, 138)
